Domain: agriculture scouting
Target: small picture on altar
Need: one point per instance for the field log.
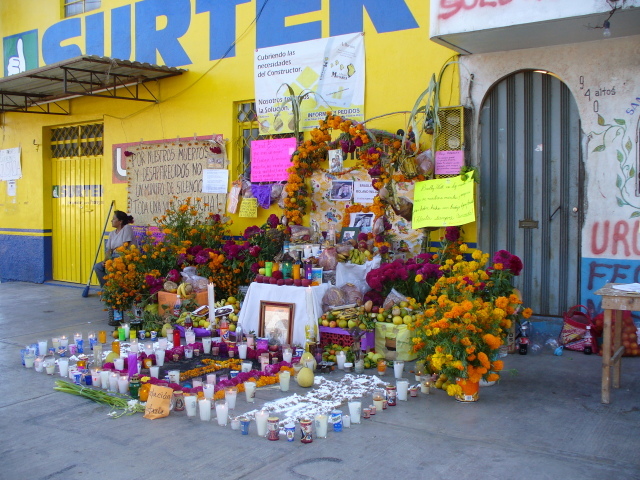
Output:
(341, 190)
(363, 221)
(349, 233)
(335, 160)
(276, 321)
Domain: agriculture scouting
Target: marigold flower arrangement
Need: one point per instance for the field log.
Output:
(463, 324)
(381, 153)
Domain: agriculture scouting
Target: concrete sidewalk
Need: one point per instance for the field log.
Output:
(544, 420)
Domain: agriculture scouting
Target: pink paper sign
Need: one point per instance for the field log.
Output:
(449, 162)
(271, 158)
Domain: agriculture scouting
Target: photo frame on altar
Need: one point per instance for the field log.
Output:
(349, 233)
(277, 317)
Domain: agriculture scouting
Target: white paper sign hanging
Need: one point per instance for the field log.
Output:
(215, 180)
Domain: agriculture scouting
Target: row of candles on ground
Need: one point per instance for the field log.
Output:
(60, 346)
(268, 425)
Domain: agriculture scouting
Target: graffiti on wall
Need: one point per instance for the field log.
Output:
(597, 272)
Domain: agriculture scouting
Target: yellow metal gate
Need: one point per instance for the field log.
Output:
(78, 205)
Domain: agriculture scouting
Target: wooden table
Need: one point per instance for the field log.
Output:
(614, 300)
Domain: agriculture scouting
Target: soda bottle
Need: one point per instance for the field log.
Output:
(188, 322)
(524, 340)
(588, 339)
(177, 307)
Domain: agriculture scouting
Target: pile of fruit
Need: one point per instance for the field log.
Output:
(232, 318)
(184, 289)
(330, 352)
(354, 317)
(400, 314)
(356, 256)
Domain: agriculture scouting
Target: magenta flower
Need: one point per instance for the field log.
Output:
(452, 234)
(273, 220)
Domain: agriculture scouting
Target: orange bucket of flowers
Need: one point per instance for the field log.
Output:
(470, 390)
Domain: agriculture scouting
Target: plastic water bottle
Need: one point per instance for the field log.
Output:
(588, 339)
(177, 307)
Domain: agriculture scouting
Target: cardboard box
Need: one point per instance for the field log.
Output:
(169, 300)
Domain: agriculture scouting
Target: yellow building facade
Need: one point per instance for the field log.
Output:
(51, 219)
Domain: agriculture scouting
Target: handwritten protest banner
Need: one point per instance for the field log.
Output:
(444, 202)
(271, 158)
(157, 171)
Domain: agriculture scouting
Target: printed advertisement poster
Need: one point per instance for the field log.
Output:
(332, 68)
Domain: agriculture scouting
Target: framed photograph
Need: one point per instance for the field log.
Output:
(335, 160)
(363, 221)
(341, 190)
(349, 233)
(277, 317)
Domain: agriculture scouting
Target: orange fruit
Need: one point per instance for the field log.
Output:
(333, 324)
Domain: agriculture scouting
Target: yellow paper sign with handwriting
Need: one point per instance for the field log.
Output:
(444, 202)
(249, 208)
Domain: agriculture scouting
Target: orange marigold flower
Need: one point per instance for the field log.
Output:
(497, 365)
(527, 312)
(484, 360)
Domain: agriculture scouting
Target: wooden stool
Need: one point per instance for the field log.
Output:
(618, 300)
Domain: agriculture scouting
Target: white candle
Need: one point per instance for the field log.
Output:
(222, 412)
(196, 382)
(118, 363)
(321, 422)
(211, 299)
(104, 379)
(154, 371)
(96, 380)
(42, 347)
(135, 348)
(341, 357)
(208, 391)
(261, 422)
(397, 368)
(163, 343)
(312, 320)
(287, 355)
(55, 342)
(204, 406)
(113, 382)
(230, 395)
(190, 336)
(246, 366)
(127, 329)
(38, 364)
(250, 391)
(188, 352)
(63, 366)
(123, 384)
(148, 348)
(64, 341)
(211, 378)
(355, 408)
(160, 357)
(284, 381)
(242, 350)
(29, 360)
(206, 345)
(402, 386)
(190, 402)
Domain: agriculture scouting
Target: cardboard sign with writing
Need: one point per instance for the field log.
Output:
(158, 402)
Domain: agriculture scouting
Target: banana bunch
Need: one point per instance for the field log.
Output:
(184, 289)
(344, 258)
(220, 303)
(358, 257)
(346, 314)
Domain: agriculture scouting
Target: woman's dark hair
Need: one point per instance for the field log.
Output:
(123, 217)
